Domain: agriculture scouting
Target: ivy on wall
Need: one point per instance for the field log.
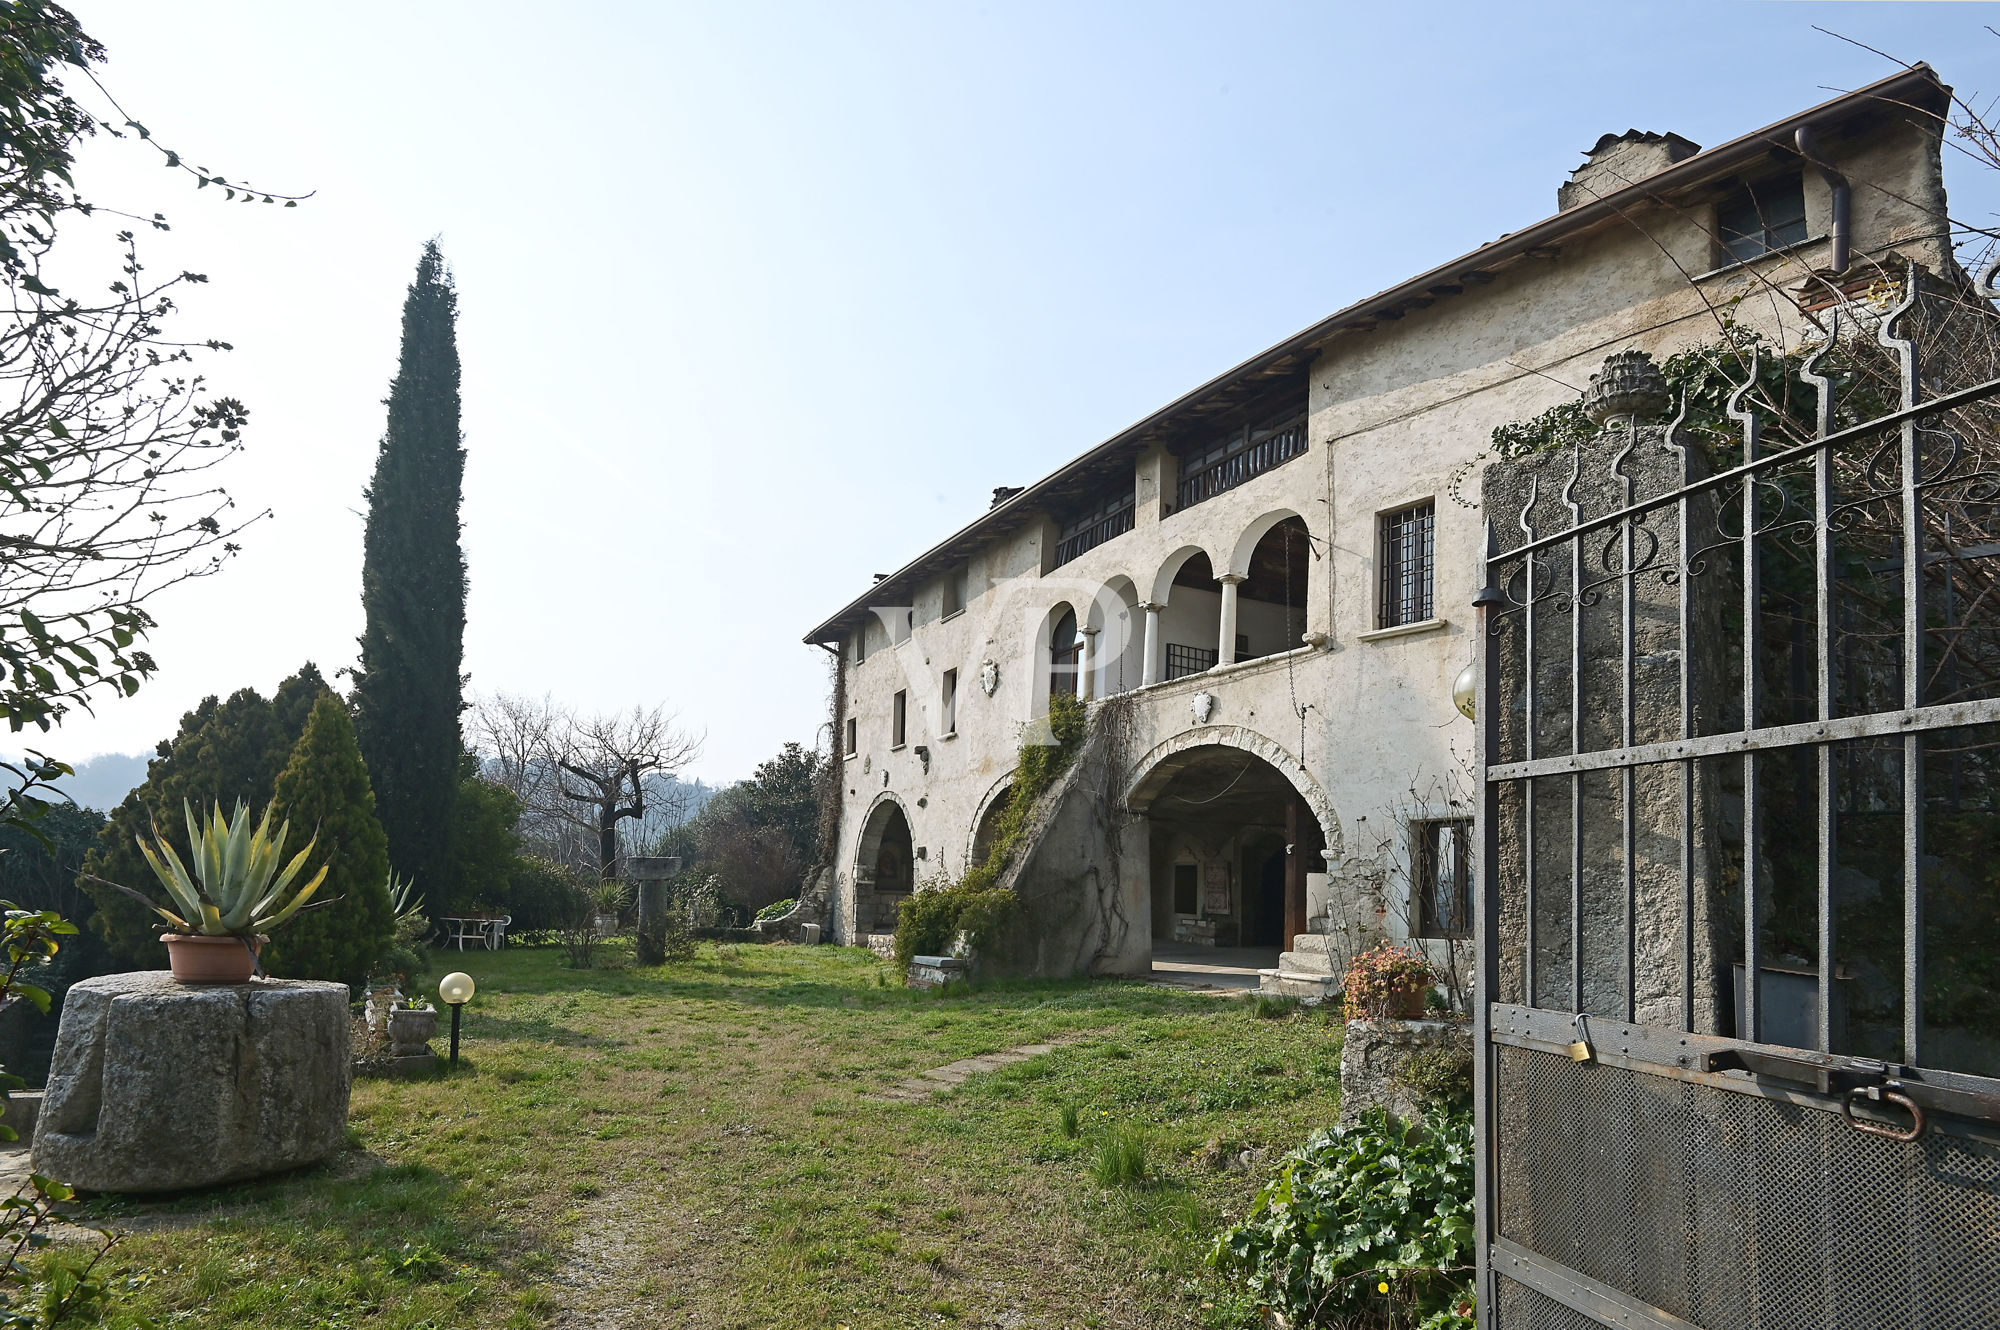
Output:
(975, 904)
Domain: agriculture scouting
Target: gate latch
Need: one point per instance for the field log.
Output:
(1854, 1079)
(1889, 1092)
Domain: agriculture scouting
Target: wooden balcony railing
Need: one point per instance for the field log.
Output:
(1094, 531)
(1248, 453)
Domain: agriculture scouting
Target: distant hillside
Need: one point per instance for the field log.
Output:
(102, 782)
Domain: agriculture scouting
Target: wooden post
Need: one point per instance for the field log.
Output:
(1298, 820)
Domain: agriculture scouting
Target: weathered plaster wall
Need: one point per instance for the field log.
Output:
(1397, 414)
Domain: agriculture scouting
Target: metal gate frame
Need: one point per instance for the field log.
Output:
(1824, 1082)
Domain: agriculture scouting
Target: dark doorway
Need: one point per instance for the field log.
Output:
(1266, 925)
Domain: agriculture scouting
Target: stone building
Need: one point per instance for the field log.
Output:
(1263, 588)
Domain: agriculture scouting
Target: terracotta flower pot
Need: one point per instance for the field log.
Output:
(197, 958)
(1407, 1004)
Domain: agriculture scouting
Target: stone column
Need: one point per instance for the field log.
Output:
(1086, 665)
(1226, 648)
(1149, 668)
(650, 874)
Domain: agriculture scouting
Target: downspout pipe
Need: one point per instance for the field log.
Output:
(1843, 195)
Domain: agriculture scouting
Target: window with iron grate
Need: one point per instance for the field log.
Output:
(1183, 661)
(1408, 545)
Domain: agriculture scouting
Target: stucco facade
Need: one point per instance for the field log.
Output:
(1338, 732)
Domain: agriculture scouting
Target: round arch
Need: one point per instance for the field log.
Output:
(872, 826)
(991, 805)
(1246, 544)
(1163, 580)
(1152, 773)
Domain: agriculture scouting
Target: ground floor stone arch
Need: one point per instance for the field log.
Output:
(884, 865)
(1151, 773)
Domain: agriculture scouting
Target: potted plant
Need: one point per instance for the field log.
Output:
(234, 896)
(1387, 981)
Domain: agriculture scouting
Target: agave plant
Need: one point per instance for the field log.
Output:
(404, 900)
(237, 887)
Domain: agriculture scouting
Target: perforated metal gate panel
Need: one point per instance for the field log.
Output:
(1521, 1308)
(1738, 1212)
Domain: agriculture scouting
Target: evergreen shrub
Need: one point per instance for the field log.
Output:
(324, 792)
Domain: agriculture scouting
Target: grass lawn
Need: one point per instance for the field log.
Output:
(698, 1145)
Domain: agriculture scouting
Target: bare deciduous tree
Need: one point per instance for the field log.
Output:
(580, 777)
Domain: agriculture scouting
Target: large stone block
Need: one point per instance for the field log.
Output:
(1376, 1064)
(159, 1086)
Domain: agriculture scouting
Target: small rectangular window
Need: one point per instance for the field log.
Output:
(1408, 544)
(948, 707)
(853, 736)
(899, 719)
(957, 585)
(1761, 218)
(1186, 884)
(861, 644)
(1444, 879)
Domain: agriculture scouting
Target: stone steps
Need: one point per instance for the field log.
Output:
(1312, 953)
(1307, 972)
(1308, 988)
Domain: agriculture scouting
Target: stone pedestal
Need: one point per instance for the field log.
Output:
(159, 1086)
(1395, 1063)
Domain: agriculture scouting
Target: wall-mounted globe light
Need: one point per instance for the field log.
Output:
(1465, 691)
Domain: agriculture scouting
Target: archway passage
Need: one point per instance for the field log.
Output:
(1230, 843)
(988, 830)
(884, 868)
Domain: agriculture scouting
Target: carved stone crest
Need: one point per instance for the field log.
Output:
(989, 678)
(1203, 706)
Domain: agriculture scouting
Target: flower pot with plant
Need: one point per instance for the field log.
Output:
(412, 1023)
(1387, 981)
(238, 890)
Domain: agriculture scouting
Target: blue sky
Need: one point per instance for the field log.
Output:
(760, 299)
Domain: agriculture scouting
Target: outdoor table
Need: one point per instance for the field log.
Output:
(490, 929)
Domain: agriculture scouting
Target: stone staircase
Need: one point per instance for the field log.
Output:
(1307, 972)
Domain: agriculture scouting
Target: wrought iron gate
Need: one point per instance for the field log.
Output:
(1735, 1065)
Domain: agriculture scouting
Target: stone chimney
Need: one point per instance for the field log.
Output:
(1619, 160)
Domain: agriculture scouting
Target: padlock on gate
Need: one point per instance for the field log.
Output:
(1580, 1049)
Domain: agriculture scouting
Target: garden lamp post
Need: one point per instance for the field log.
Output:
(456, 990)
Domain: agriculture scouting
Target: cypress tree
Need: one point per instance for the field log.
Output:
(323, 792)
(407, 691)
(225, 750)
